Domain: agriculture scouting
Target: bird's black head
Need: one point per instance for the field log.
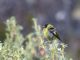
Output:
(45, 25)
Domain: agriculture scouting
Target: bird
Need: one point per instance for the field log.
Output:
(50, 33)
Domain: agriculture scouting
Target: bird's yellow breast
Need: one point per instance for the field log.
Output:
(45, 32)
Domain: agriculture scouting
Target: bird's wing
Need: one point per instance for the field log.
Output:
(56, 35)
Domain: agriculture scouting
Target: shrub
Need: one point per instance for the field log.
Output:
(31, 47)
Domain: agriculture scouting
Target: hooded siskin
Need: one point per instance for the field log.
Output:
(49, 32)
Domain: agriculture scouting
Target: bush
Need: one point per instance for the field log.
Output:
(31, 47)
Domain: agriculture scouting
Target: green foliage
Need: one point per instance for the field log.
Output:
(36, 47)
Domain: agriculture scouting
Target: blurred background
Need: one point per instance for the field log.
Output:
(63, 14)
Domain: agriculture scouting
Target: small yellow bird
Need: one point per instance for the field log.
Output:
(49, 32)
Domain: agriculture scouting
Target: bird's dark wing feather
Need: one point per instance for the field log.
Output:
(56, 35)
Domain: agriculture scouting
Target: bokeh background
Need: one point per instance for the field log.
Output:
(63, 14)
